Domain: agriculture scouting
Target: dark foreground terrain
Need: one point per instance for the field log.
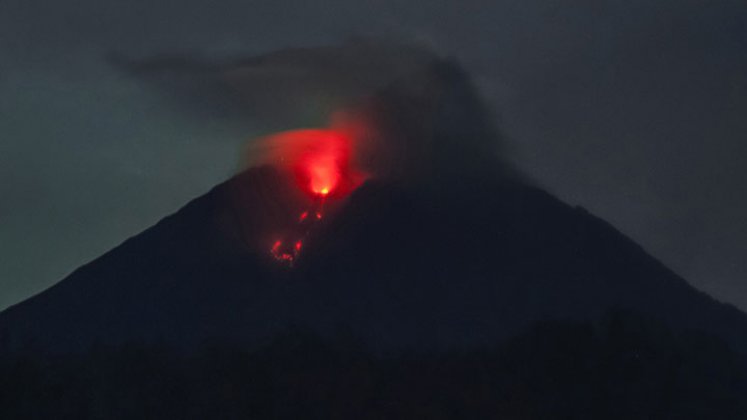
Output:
(621, 368)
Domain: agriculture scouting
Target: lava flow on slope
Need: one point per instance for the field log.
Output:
(322, 167)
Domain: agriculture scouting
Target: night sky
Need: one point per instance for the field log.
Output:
(634, 109)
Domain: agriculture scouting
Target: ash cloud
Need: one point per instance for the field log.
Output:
(418, 116)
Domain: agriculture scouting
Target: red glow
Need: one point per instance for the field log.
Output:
(321, 160)
(324, 164)
(287, 256)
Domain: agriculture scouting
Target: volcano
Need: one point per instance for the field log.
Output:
(458, 291)
(459, 266)
(401, 271)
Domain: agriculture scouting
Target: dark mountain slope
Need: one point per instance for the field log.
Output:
(459, 265)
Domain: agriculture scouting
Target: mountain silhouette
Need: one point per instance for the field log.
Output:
(470, 300)
(440, 285)
(460, 265)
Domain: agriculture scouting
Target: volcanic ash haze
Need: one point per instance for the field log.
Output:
(412, 111)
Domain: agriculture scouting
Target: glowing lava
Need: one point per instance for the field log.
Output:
(322, 166)
(321, 160)
(287, 251)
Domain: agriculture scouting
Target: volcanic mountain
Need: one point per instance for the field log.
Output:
(462, 265)
(438, 245)
(465, 290)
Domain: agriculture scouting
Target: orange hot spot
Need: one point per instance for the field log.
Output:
(325, 162)
(323, 167)
(321, 164)
(320, 159)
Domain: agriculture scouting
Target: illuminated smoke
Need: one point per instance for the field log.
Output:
(319, 159)
(321, 166)
(423, 127)
(415, 116)
(341, 116)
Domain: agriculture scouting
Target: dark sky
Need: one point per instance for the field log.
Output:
(634, 109)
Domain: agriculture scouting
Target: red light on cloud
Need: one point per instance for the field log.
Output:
(321, 162)
(323, 171)
(320, 159)
(324, 166)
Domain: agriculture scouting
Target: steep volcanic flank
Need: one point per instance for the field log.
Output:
(399, 268)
